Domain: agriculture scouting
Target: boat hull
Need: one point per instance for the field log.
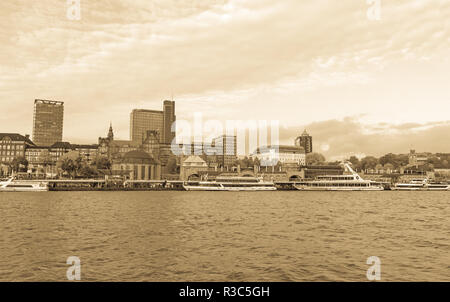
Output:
(229, 189)
(420, 189)
(335, 189)
(23, 186)
(23, 189)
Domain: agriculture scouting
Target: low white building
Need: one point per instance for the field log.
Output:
(271, 155)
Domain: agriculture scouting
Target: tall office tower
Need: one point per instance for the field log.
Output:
(305, 141)
(169, 119)
(142, 120)
(48, 122)
(227, 146)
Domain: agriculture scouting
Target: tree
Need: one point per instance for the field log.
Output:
(19, 164)
(315, 159)
(354, 160)
(46, 160)
(67, 165)
(87, 172)
(71, 163)
(102, 163)
(368, 162)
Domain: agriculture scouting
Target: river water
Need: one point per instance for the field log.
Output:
(225, 236)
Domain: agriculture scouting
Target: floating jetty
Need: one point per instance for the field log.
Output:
(139, 185)
(113, 185)
(130, 185)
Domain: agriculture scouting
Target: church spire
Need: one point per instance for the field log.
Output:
(111, 132)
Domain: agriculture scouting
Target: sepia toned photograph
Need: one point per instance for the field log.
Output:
(229, 141)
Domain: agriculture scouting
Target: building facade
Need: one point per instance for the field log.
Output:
(225, 147)
(12, 146)
(285, 155)
(305, 141)
(143, 120)
(137, 165)
(48, 156)
(48, 121)
(192, 167)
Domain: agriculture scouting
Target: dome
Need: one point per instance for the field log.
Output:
(138, 157)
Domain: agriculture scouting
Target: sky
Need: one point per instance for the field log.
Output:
(359, 86)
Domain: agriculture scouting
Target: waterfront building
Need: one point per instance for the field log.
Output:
(193, 167)
(285, 155)
(12, 146)
(305, 141)
(143, 120)
(137, 165)
(87, 153)
(38, 157)
(48, 122)
(58, 149)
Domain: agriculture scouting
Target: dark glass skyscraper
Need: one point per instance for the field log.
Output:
(48, 122)
(169, 119)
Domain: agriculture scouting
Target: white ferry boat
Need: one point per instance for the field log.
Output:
(230, 184)
(421, 185)
(13, 185)
(349, 182)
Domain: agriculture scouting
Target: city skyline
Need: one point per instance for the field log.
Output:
(363, 87)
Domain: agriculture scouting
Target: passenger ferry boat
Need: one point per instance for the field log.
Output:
(352, 182)
(230, 184)
(13, 185)
(421, 185)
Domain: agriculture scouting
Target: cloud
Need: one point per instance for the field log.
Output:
(349, 136)
(294, 61)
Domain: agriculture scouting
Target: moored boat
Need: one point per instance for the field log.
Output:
(13, 185)
(230, 184)
(421, 185)
(346, 182)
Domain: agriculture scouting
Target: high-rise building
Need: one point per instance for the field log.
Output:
(169, 119)
(48, 122)
(305, 141)
(143, 120)
(226, 145)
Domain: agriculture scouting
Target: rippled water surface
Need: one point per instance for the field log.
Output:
(225, 236)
